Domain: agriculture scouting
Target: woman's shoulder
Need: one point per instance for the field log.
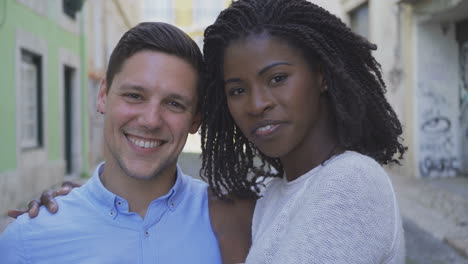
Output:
(354, 160)
(353, 166)
(357, 174)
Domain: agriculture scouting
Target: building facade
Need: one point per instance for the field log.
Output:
(422, 50)
(42, 116)
(437, 59)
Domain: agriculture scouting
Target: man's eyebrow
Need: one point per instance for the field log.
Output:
(132, 87)
(182, 98)
(274, 64)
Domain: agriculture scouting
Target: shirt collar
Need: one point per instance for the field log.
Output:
(106, 198)
(177, 191)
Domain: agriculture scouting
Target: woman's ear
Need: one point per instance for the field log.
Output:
(322, 81)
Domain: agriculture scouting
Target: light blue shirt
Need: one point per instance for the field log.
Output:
(94, 225)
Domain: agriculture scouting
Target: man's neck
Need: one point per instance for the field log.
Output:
(137, 192)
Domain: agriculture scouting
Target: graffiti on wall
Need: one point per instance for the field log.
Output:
(437, 148)
(437, 101)
(442, 165)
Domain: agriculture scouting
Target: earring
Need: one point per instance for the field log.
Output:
(324, 89)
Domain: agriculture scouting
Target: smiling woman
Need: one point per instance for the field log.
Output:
(290, 86)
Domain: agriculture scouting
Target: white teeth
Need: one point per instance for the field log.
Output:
(265, 128)
(145, 143)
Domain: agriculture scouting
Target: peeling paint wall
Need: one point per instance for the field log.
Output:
(464, 104)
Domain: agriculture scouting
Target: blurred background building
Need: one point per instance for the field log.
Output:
(422, 48)
(43, 87)
(53, 54)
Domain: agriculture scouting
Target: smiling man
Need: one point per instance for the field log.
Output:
(138, 207)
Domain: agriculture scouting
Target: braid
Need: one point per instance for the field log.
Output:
(365, 122)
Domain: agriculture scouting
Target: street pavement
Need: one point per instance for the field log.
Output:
(423, 248)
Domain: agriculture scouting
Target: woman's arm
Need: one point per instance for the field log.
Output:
(231, 221)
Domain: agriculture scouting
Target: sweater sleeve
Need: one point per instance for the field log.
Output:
(349, 218)
(11, 244)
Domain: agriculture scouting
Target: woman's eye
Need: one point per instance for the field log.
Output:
(278, 78)
(236, 91)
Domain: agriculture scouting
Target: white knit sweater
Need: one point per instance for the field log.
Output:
(342, 212)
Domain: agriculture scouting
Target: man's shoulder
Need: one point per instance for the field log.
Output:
(47, 234)
(196, 186)
(71, 208)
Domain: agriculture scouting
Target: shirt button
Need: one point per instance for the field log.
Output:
(172, 204)
(147, 233)
(112, 213)
(119, 203)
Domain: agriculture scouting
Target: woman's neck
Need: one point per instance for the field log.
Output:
(319, 146)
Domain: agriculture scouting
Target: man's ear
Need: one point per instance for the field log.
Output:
(102, 97)
(195, 123)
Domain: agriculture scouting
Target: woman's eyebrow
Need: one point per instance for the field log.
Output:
(274, 64)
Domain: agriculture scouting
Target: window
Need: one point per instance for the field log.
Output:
(359, 20)
(31, 100)
(71, 7)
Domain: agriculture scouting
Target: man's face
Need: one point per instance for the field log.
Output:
(149, 111)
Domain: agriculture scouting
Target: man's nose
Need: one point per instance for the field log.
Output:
(152, 116)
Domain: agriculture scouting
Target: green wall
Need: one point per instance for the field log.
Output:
(7, 91)
(47, 28)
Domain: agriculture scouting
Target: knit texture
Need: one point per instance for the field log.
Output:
(344, 211)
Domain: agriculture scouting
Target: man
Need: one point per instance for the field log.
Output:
(138, 207)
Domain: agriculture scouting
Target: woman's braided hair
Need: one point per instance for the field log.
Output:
(365, 122)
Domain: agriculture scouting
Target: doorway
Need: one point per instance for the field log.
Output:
(462, 39)
(68, 105)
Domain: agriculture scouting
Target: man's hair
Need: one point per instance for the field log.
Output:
(364, 120)
(154, 36)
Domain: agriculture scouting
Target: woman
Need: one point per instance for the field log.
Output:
(294, 96)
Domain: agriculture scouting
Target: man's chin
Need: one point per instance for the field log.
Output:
(144, 176)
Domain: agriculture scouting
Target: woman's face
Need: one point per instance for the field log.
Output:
(274, 95)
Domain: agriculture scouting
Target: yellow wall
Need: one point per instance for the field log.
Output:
(183, 9)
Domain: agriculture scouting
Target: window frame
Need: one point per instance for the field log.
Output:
(31, 120)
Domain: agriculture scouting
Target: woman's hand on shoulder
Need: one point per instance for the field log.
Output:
(47, 199)
(231, 220)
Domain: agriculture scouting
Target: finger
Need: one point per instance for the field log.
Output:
(47, 199)
(16, 212)
(64, 190)
(33, 208)
(70, 184)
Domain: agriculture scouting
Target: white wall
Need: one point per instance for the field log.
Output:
(333, 6)
(437, 99)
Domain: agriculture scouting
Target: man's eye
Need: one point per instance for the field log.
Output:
(236, 91)
(133, 96)
(176, 105)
